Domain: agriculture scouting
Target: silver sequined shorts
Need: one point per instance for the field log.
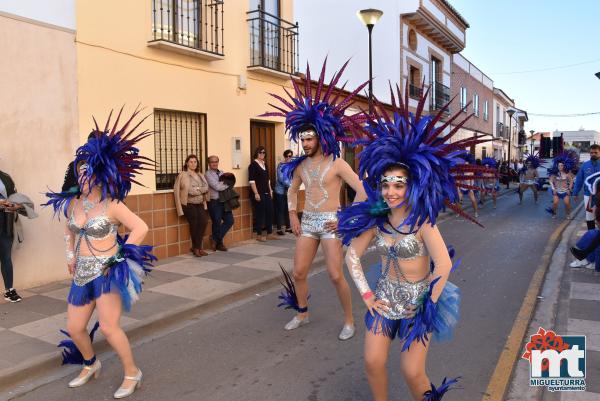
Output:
(400, 295)
(88, 268)
(313, 225)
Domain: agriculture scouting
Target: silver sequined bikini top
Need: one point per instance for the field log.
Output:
(408, 248)
(97, 227)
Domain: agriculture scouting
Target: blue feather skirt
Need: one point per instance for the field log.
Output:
(432, 319)
(124, 276)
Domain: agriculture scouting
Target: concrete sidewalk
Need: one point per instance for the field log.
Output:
(569, 304)
(29, 330)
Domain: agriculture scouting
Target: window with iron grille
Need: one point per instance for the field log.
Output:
(177, 135)
(197, 24)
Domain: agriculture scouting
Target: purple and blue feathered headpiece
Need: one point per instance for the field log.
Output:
(489, 162)
(568, 159)
(436, 168)
(534, 159)
(321, 110)
(111, 160)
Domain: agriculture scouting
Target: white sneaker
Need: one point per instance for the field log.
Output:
(579, 263)
(295, 323)
(591, 266)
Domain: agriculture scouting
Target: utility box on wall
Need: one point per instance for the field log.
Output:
(236, 153)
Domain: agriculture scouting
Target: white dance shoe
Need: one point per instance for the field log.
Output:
(126, 392)
(90, 371)
(295, 323)
(347, 332)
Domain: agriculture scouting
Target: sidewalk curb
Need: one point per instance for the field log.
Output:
(19, 379)
(505, 373)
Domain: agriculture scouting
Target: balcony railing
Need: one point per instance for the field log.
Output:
(194, 24)
(414, 91)
(440, 95)
(273, 42)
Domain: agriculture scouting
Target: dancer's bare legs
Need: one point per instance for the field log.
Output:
(334, 258)
(306, 249)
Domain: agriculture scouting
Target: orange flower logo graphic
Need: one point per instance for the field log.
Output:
(544, 340)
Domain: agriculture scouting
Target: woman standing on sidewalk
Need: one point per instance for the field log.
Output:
(262, 195)
(191, 200)
(409, 175)
(107, 270)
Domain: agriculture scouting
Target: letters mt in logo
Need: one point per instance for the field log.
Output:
(554, 356)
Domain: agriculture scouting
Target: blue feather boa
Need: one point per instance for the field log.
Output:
(287, 169)
(362, 216)
(436, 394)
(60, 201)
(70, 353)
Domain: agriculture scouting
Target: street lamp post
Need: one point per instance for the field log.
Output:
(510, 113)
(531, 140)
(369, 18)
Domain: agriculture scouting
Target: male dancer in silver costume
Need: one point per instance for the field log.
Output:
(322, 177)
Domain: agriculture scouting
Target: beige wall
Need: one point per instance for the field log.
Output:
(116, 67)
(38, 131)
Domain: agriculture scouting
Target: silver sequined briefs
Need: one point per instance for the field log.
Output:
(313, 224)
(399, 295)
(88, 268)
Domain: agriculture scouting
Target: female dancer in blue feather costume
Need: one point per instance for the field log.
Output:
(491, 182)
(317, 120)
(410, 173)
(561, 181)
(107, 270)
(528, 177)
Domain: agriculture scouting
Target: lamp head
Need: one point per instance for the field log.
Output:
(369, 16)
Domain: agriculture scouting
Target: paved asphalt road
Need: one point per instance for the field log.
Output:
(243, 353)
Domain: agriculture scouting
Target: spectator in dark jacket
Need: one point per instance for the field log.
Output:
(280, 193)
(262, 195)
(222, 220)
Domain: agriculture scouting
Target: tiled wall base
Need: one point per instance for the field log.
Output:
(170, 234)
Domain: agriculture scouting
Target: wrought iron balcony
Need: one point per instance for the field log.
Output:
(415, 92)
(273, 42)
(440, 95)
(192, 24)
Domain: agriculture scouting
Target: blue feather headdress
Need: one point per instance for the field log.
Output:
(436, 168)
(112, 160)
(568, 159)
(323, 110)
(534, 159)
(489, 162)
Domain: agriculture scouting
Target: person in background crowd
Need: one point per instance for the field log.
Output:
(222, 220)
(586, 171)
(191, 201)
(262, 195)
(281, 201)
(12, 204)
